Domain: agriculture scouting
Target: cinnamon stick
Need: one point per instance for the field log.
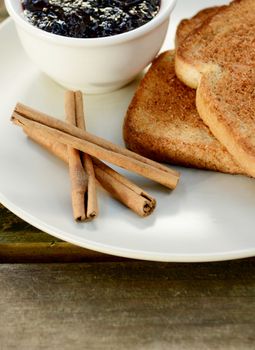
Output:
(91, 205)
(54, 123)
(116, 184)
(95, 146)
(124, 190)
(54, 147)
(79, 183)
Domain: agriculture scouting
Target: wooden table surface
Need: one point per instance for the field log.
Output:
(101, 302)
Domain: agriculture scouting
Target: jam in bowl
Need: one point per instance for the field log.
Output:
(105, 59)
(89, 18)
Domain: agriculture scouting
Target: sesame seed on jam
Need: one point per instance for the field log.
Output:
(91, 18)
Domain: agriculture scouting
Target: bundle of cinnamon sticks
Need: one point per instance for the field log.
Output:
(84, 152)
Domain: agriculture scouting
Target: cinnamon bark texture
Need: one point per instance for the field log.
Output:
(84, 201)
(91, 203)
(94, 146)
(116, 184)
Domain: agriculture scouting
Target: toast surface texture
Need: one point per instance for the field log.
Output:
(218, 59)
(162, 123)
(226, 101)
(186, 26)
(225, 38)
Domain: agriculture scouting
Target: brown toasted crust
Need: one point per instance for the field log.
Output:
(225, 38)
(162, 123)
(226, 103)
(218, 58)
(187, 26)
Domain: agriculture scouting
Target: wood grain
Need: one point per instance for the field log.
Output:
(132, 305)
(21, 243)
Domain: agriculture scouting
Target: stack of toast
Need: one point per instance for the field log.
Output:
(196, 105)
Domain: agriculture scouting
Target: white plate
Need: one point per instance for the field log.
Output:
(210, 216)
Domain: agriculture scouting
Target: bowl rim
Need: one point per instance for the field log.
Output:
(163, 14)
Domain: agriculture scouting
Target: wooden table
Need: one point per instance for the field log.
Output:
(102, 302)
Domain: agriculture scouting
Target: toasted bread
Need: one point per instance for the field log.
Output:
(218, 59)
(224, 38)
(186, 26)
(162, 123)
(226, 101)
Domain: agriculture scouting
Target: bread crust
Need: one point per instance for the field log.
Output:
(162, 123)
(225, 99)
(186, 26)
(224, 38)
(218, 59)
(188, 73)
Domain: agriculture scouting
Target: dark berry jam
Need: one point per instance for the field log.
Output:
(91, 18)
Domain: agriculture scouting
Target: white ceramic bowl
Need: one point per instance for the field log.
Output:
(95, 65)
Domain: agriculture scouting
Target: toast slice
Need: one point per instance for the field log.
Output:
(226, 101)
(162, 123)
(218, 59)
(224, 38)
(186, 26)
